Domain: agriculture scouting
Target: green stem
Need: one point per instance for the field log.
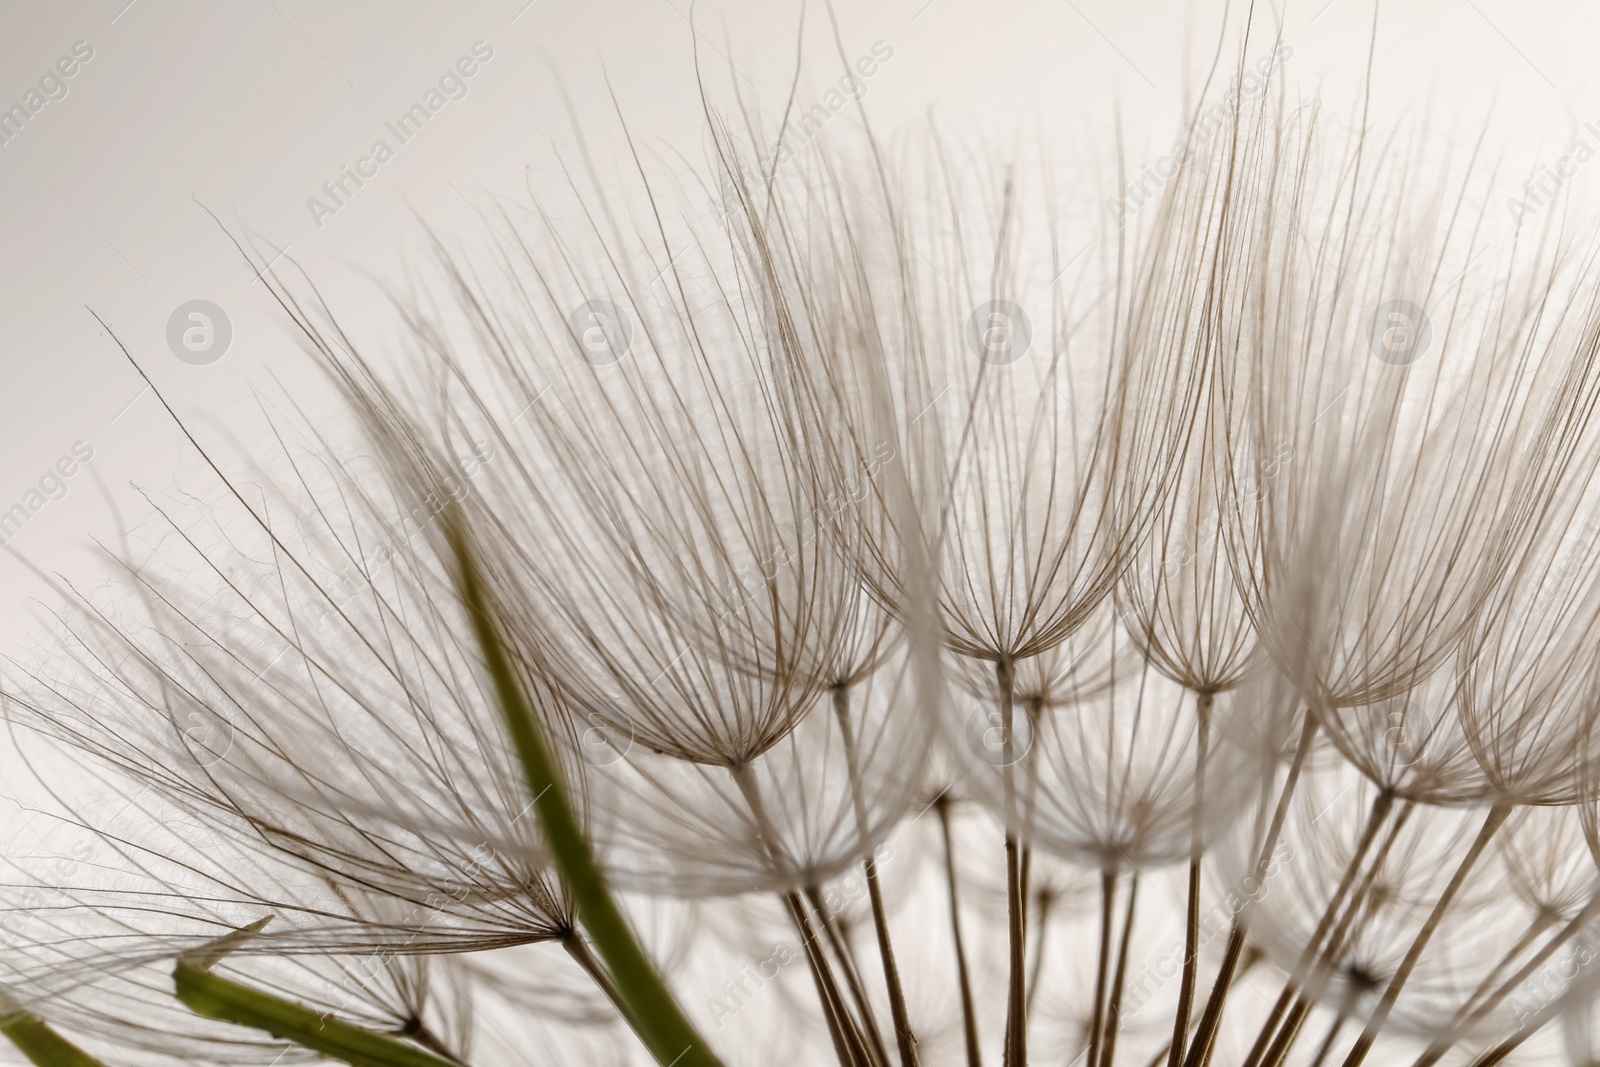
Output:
(38, 1041)
(665, 1030)
(221, 998)
(579, 952)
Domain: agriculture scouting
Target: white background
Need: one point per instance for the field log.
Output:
(246, 107)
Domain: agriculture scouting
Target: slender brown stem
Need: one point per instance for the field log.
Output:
(579, 951)
(1481, 1002)
(1502, 1050)
(1269, 1028)
(1211, 1018)
(1381, 806)
(1016, 1048)
(969, 1019)
(1250, 960)
(1114, 1011)
(1025, 890)
(1191, 943)
(1289, 1032)
(847, 1043)
(1436, 1051)
(1108, 893)
(1328, 1039)
(1380, 1015)
(1044, 901)
(852, 975)
(1016, 977)
(1334, 950)
(1541, 922)
(905, 1038)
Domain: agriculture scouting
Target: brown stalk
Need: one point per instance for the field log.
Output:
(969, 1019)
(1016, 1049)
(905, 1038)
(1211, 1019)
(1380, 810)
(1335, 948)
(1491, 824)
(1114, 1010)
(849, 1045)
(1191, 944)
(852, 975)
(1097, 1024)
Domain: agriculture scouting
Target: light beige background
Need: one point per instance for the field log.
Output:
(247, 107)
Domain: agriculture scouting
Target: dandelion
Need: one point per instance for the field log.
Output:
(859, 625)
